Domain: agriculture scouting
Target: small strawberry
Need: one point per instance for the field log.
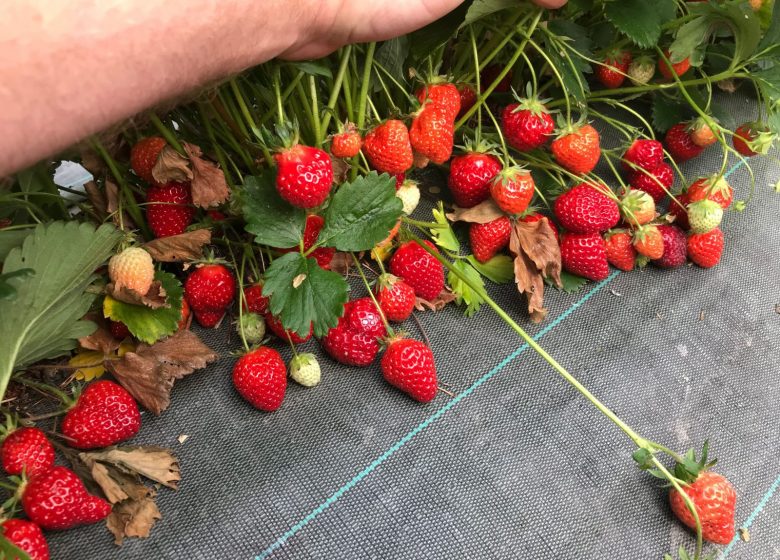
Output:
(713, 188)
(470, 176)
(208, 319)
(620, 251)
(584, 254)
(488, 239)
(702, 134)
(255, 301)
(704, 215)
(489, 75)
(387, 147)
(260, 377)
(169, 208)
(133, 268)
(678, 209)
(645, 153)
(409, 194)
(656, 182)
(432, 133)
(680, 144)
(419, 269)
(399, 179)
(535, 217)
(276, 327)
(311, 231)
(675, 247)
(513, 189)
(756, 5)
(442, 95)
(612, 72)
(637, 208)
(408, 365)
(705, 249)
(215, 215)
(468, 98)
(305, 370)
(752, 138)
(251, 326)
(304, 175)
(26, 536)
(26, 450)
(119, 330)
(527, 125)
(354, 341)
(347, 143)
(577, 149)
(678, 68)
(185, 315)
(58, 500)
(209, 290)
(143, 157)
(104, 414)
(395, 297)
(641, 71)
(585, 208)
(649, 242)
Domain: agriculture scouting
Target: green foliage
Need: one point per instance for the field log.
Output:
(577, 38)
(272, 220)
(500, 269)
(10, 239)
(571, 77)
(443, 236)
(482, 8)
(428, 39)
(668, 112)
(464, 293)
(7, 289)
(314, 68)
(391, 56)
(768, 80)
(639, 20)
(570, 283)
(771, 39)
(9, 550)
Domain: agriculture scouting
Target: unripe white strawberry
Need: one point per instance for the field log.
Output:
(305, 370)
(641, 71)
(704, 215)
(133, 269)
(409, 194)
(253, 326)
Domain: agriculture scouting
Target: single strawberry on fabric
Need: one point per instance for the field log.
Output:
(678, 68)
(705, 249)
(488, 239)
(675, 247)
(585, 208)
(275, 325)
(470, 176)
(255, 301)
(395, 297)
(143, 157)
(641, 71)
(169, 209)
(645, 153)
(26, 450)
(419, 269)
(620, 250)
(442, 95)
(714, 188)
(680, 144)
(133, 268)
(584, 254)
(577, 149)
(57, 499)
(637, 208)
(527, 125)
(209, 290)
(388, 149)
(347, 143)
(704, 215)
(513, 189)
(27, 536)
(304, 175)
(354, 341)
(649, 242)
(408, 365)
(656, 182)
(104, 414)
(612, 72)
(432, 134)
(260, 377)
(714, 499)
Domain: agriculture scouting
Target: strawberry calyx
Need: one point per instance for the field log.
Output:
(760, 138)
(284, 137)
(687, 468)
(531, 102)
(481, 146)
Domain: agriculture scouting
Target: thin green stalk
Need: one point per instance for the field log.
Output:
(277, 91)
(315, 112)
(363, 99)
(337, 84)
(166, 133)
(242, 106)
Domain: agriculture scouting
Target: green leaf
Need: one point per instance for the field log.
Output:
(500, 269)
(314, 68)
(773, 122)
(391, 55)
(9, 550)
(639, 20)
(603, 34)
(772, 36)
(7, 289)
(426, 40)
(444, 237)
(719, 56)
(149, 325)
(10, 238)
(769, 81)
(689, 37)
(483, 8)
(361, 213)
(272, 220)
(45, 319)
(570, 283)
(738, 20)
(667, 112)
(574, 81)
(303, 294)
(723, 113)
(577, 37)
(465, 295)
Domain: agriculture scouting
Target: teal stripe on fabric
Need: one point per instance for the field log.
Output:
(752, 517)
(425, 423)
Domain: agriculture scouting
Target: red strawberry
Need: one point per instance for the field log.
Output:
(143, 157)
(185, 315)
(355, 340)
(663, 174)
(584, 254)
(169, 208)
(408, 365)
(612, 73)
(323, 255)
(104, 414)
(680, 144)
(27, 450)
(388, 149)
(216, 215)
(678, 209)
(396, 298)
(468, 98)
(620, 252)
(27, 536)
(260, 376)
(442, 95)
(586, 209)
(209, 290)
(489, 75)
(488, 239)
(208, 319)
(752, 138)
(347, 143)
(432, 134)
(419, 269)
(714, 499)
(644, 153)
(470, 175)
(58, 500)
(535, 217)
(513, 189)
(675, 247)
(649, 242)
(678, 68)
(527, 125)
(118, 330)
(255, 302)
(276, 327)
(578, 150)
(304, 175)
(705, 249)
(712, 188)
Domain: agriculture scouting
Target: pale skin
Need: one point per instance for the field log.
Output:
(71, 68)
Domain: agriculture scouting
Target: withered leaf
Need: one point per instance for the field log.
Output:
(133, 518)
(155, 298)
(437, 303)
(178, 248)
(97, 198)
(101, 340)
(341, 262)
(112, 207)
(171, 166)
(482, 213)
(152, 462)
(340, 169)
(209, 187)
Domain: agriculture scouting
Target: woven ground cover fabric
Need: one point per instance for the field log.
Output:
(518, 464)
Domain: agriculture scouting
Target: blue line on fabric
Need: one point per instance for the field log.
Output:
(425, 423)
(753, 515)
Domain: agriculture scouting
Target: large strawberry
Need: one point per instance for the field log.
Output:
(470, 176)
(57, 500)
(705, 249)
(304, 175)
(408, 365)
(104, 414)
(275, 325)
(620, 251)
(260, 376)
(527, 124)
(584, 254)
(419, 269)
(488, 239)
(432, 133)
(27, 536)
(712, 188)
(209, 290)
(354, 341)
(26, 450)
(169, 208)
(442, 95)
(133, 268)
(680, 144)
(585, 208)
(612, 72)
(656, 182)
(513, 189)
(395, 297)
(645, 153)
(387, 147)
(143, 157)
(577, 149)
(675, 247)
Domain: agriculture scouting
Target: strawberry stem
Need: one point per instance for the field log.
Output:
(166, 133)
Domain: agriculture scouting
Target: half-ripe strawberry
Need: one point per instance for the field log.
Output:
(656, 182)
(143, 157)
(387, 147)
(702, 134)
(490, 238)
(612, 72)
(26, 536)
(275, 325)
(680, 144)
(169, 209)
(26, 450)
(637, 208)
(133, 269)
(104, 414)
(260, 377)
(584, 254)
(675, 247)
(408, 365)
(645, 153)
(432, 134)
(714, 500)
(354, 341)
(714, 188)
(527, 124)
(513, 189)
(620, 250)
(705, 249)
(578, 149)
(442, 95)
(586, 208)
(649, 242)
(304, 175)
(678, 68)
(419, 269)
(470, 176)
(347, 143)
(395, 297)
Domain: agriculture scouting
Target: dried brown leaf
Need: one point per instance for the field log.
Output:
(171, 166)
(341, 263)
(152, 462)
(97, 198)
(155, 298)
(482, 213)
(437, 304)
(178, 248)
(112, 207)
(101, 340)
(340, 169)
(209, 187)
(133, 518)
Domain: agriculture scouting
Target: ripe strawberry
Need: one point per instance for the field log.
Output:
(489, 75)
(255, 302)
(584, 254)
(680, 144)
(354, 341)
(419, 269)
(169, 208)
(208, 319)
(27, 536)
(641, 71)
(620, 251)
(705, 249)
(104, 414)
(409, 194)
(185, 315)
(305, 370)
(577, 150)
(649, 242)
(612, 73)
(657, 183)
(513, 189)
(637, 208)
(470, 175)
(432, 133)
(209, 290)
(399, 179)
(586, 209)
(133, 269)
(276, 327)
(119, 330)
(701, 133)
(58, 500)
(678, 209)
(468, 97)
(347, 143)
(712, 188)
(311, 231)
(26, 450)
(704, 215)
(527, 125)
(536, 216)
(752, 138)
(678, 68)
(215, 215)
(488, 239)
(143, 157)
(675, 247)
(395, 297)
(644, 153)
(714, 499)
(304, 175)
(260, 376)
(408, 365)
(444, 96)
(388, 149)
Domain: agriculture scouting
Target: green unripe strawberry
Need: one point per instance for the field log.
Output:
(704, 215)
(305, 370)
(253, 327)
